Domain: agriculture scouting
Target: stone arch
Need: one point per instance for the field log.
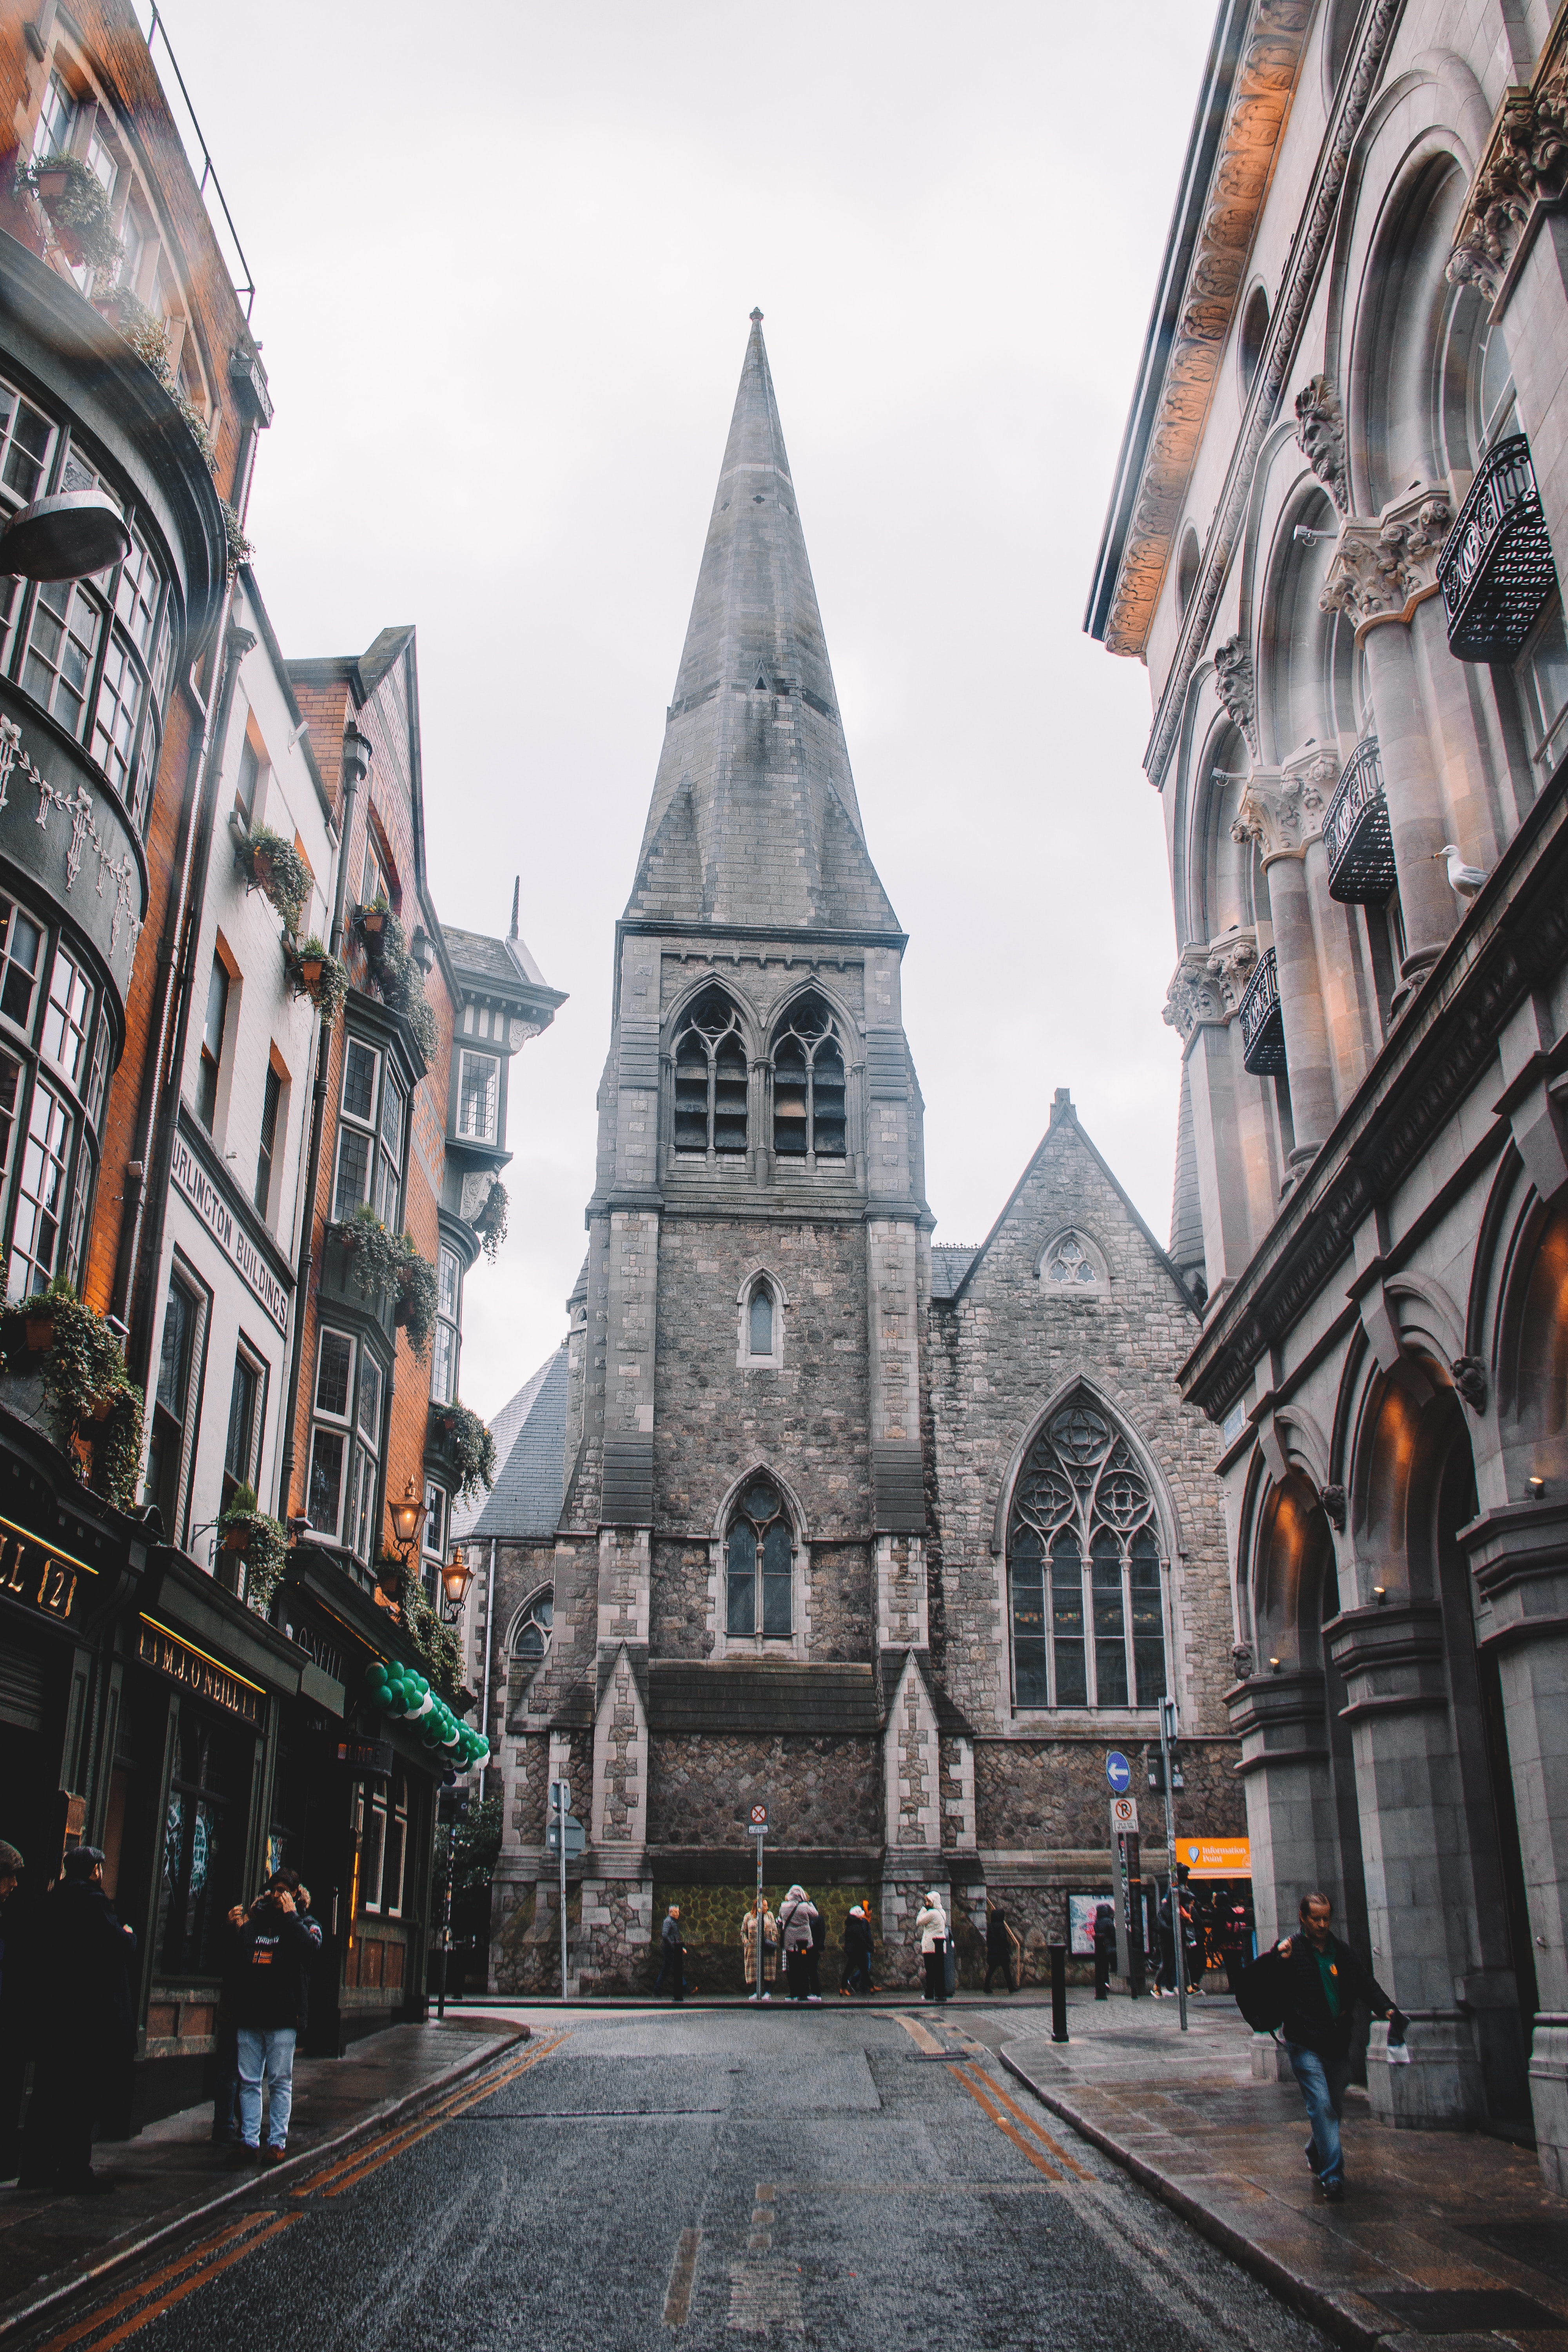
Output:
(1217, 877)
(750, 1026)
(732, 1496)
(1171, 1536)
(1533, 1373)
(761, 1632)
(1073, 1265)
(808, 1070)
(1305, 655)
(762, 1281)
(525, 1660)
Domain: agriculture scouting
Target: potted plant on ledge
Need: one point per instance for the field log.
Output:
(468, 1445)
(260, 1541)
(388, 1267)
(312, 972)
(76, 203)
(275, 867)
(92, 1407)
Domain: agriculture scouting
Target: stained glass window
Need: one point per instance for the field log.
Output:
(1082, 1501)
(759, 1565)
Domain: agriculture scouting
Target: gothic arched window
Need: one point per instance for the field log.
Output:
(529, 1646)
(1074, 1266)
(759, 1562)
(1081, 1502)
(760, 1318)
(808, 1084)
(710, 1077)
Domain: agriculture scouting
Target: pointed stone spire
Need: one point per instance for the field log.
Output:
(755, 819)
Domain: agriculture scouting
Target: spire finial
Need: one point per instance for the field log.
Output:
(516, 897)
(756, 318)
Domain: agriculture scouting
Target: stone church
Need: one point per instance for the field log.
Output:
(899, 1539)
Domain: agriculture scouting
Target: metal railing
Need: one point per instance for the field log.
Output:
(1262, 1024)
(1496, 570)
(1356, 835)
(243, 280)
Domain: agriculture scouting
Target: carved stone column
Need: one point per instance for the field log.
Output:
(1200, 1004)
(1383, 571)
(1282, 810)
(1279, 1720)
(1519, 1558)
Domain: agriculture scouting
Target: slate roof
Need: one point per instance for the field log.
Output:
(950, 1263)
(506, 962)
(530, 1432)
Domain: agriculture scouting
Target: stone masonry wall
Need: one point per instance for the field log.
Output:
(1034, 1795)
(820, 1792)
(996, 1356)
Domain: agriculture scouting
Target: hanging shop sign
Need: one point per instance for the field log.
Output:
(208, 1677)
(42, 1575)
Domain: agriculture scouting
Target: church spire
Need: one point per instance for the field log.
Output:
(755, 819)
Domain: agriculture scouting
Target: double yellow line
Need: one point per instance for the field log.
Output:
(994, 2099)
(151, 2297)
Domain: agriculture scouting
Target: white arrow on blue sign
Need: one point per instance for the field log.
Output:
(1119, 1772)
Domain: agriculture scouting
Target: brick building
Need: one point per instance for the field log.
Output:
(781, 1519)
(1332, 540)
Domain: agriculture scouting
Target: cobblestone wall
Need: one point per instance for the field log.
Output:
(821, 1792)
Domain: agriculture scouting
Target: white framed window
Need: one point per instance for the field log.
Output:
(445, 1349)
(56, 116)
(40, 1194)
(356, 1128)
(479, 1097)
(242, 1444)
(1542, 672)
(68, 1017)
(332, 1436)
(759, 1341)
(62, 646)
(98, 1079)
(214, 1026)
(385, 1854)
(21, 948)
(364, 1497)
(389, 1151)
(171, 1439)
(81, 1195)
(27, 445)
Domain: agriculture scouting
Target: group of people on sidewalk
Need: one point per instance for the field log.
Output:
(800, 1932)
(72, 2004)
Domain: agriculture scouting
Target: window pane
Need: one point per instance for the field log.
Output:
(776, 1567)
(20, 943)
(761, 1338)
(354, 1172)
(175, 1353)
(364, 1516)
(334, 1367)
(371, 1858)
(61, 649)
(119, 708)
(391, 1108)
(1110, 1622)
(359, 1081)
(66, 1018)
(827, 1102)
(1148, 1623)
(40, 1194)
(392, 1868)
(370, 1398)
(136, 599)
(100, 1073)
(1067, 1622)
(446, 1279)
(26, 437)
(325, 1498)
(478, 1093)
(741, 1619)
(444, 1364)
(1028, 1578)
(238, 1453)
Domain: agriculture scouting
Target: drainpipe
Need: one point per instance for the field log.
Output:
(490, 1659)
(144, 1264)
(356, 767)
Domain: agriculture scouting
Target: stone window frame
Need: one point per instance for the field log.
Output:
(517, 1696)
(797, 1644)
(1129, 1721)
(1100, 1288)
(746, 1360)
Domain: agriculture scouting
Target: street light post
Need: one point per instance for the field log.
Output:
(1167, 1735)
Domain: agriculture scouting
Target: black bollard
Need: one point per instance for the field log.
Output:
(1058, 1992)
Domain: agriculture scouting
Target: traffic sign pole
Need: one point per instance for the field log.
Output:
(560, 1833)
(758, 1828)
(1134, 1917)
(1167, 1733)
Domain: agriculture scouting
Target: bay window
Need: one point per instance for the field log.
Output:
(448, 1312)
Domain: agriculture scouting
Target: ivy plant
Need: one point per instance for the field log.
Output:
(78, 210)
(94, 1407)
(396, 973)
(469, 1445)
(275, 867)
(490, 1223)
(264, 1550)
(312, 972)
(388, 1266)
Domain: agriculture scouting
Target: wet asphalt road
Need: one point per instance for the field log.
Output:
(707, 2179)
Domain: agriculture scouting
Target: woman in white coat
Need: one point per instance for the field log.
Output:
(930, 1925)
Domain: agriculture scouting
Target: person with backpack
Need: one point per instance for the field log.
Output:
(1305, 1992)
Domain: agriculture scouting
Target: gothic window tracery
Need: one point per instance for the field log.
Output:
(759, 1563)
(530, 1643)
(808, 1084)
(710, 1078)
(1082, 1503)
(1074, 1265)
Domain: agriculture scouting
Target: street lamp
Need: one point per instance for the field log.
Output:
(407, 1519)
(455, 1578)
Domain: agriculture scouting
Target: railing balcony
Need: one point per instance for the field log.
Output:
(1357, 836)
(1262, 1024)
(1496, 570)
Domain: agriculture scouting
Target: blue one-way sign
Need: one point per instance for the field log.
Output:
(1119, 1772)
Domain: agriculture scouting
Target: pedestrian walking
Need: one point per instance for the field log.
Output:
(671, 1957)
(930, 1925)
(797, 1914)
(1305, 1990)
(274, 1953)
(759, 1916)
(1104, 1949)
(1002, 1950)
(858, 1944)
(86, 2029)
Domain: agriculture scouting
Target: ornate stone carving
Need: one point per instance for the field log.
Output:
(1282, 810)
(1243, 163)
(1471, 1380)
(1320, 431)
(1333, 1499)
(1242, 1658)
(1525, 164)
(1236, 687)
(1210, 982)
(1382, 570)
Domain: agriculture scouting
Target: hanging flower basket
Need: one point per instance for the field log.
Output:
(388, 1267)
(94, 1408)
(78, 206)
(275, 867)
(469, 1447)
(372, 920)
(312, 972)
(261, 1540)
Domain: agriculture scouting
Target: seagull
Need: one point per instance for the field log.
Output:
(1464, 880)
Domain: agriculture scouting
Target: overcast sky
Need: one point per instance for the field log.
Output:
(504, 258)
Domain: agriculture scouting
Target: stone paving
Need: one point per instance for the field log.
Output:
(172, 2172)
(1442, 2237)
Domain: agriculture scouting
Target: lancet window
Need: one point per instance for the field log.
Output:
(808, 1084)
(530, 1645)
(1083, 1570)
(759, 1561)
(710, 1078)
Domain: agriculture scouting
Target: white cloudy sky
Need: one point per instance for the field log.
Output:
(504, 259)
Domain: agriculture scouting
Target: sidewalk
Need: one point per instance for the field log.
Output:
(172, 2172)
(1445, 2234)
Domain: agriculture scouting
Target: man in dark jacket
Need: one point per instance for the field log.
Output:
(1314, 1982)
(1001, 1948)
(86, 2025)
(857, 1952)
(1104, 1949)
(274, 1952)
(672, 1956)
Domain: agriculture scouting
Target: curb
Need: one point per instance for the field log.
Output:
(379, 2120)
(1326, 2311)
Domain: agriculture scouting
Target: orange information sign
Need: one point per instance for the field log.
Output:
(1216, 1857)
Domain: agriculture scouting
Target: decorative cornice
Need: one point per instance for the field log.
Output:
(1282, 809)
(1382, 570)
(1307, 255)
(1209, 982)
(1439, 1052)
(1243, 167)
(1523, 166)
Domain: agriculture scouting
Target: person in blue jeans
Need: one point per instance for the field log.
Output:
(1320, 1982)
(275, 1950)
